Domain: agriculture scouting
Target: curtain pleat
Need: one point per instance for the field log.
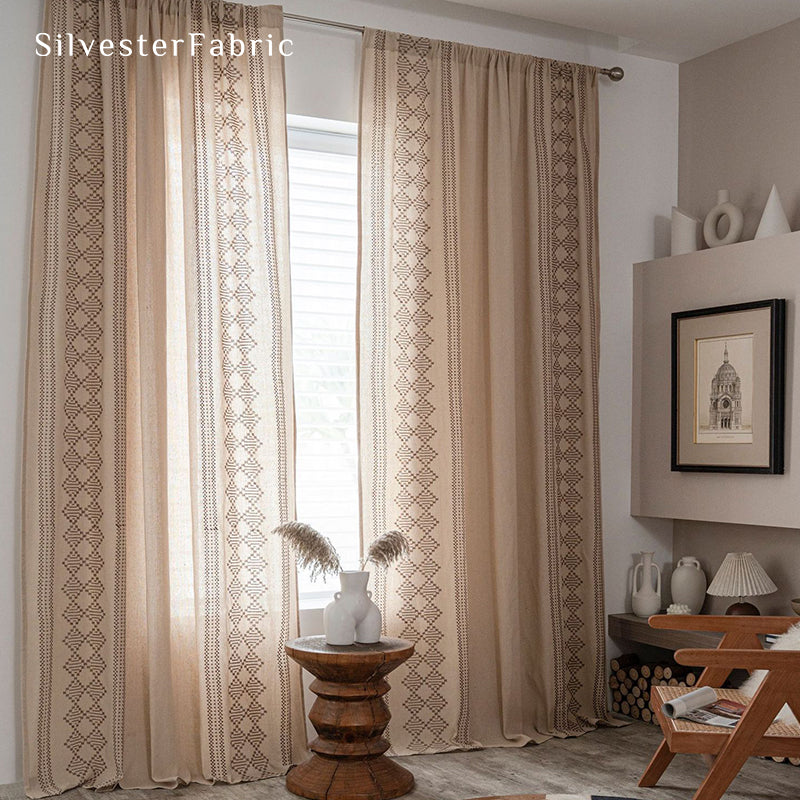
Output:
(158, 435)
(478, 337)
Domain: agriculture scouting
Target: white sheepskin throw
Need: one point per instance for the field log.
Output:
(788, 641)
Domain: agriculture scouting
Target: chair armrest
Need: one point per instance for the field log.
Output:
(786, 660)
(722, 624)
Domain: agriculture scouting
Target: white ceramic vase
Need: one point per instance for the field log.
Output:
(352, 616)
(689, 584)
(723, 208)
(646, 598)
(685, 233)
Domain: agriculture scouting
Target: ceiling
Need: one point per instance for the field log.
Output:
(670, 30)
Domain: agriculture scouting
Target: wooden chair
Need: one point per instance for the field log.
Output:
(756, 734)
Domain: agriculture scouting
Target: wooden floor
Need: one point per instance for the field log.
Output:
(607, 761)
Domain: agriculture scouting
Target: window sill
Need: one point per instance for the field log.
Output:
(314, 603)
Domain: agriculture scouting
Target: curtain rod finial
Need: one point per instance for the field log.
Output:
(615, 74)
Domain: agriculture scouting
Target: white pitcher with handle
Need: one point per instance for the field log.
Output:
(646, 598)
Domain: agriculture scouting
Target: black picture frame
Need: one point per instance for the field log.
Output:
(777, 388)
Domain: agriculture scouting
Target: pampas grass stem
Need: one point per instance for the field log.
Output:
(313, 550)
(317, 554)
(387, 549)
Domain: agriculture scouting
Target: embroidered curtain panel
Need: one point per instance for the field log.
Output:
(158, 444)
(478, 387)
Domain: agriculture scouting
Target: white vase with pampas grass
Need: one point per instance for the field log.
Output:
(351, 616)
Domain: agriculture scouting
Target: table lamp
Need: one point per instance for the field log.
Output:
(741, 576)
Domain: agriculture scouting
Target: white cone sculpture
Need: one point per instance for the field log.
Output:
(773, 220)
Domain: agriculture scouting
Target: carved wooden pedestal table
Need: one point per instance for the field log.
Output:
(349, 716)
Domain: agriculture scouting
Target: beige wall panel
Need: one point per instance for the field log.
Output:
(738, 273)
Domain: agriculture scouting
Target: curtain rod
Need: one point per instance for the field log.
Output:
(614, 73)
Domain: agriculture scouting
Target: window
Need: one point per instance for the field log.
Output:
(323, 202)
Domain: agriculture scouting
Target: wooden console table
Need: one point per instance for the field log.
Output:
(349, 716)
(636, 629)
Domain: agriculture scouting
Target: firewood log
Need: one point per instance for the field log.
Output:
(627, 660)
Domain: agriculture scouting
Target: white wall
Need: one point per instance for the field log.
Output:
(638, 186)
(638, 182)
(18, 71)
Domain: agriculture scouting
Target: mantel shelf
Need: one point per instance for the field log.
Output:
(635, 629)
(725, 248)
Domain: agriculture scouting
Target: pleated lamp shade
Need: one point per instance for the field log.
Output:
(741, 576)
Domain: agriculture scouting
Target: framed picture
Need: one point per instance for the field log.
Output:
(728, 388)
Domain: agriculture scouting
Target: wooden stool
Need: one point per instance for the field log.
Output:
(349, 716)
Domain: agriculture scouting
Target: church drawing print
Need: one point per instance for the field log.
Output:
(723, 389)
(725, 401)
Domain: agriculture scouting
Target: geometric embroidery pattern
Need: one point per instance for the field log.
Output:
(234, 268)
(75, 507)
(590, 344)
(207, 336)
(426, 454)
(245, 520)
(76, 351)
(282, 477)
(93, 663)
(46, 436)
(415, 483)
(565, 294)
(430, 723)
(85, 611)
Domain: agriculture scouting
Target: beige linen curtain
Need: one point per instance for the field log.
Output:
(478, 387)
(158, 435)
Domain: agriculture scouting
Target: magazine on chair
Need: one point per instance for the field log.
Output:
(706, 707)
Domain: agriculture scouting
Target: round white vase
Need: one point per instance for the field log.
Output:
(646, 598)
(689, 584)
(352, 616)
(723, 208)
